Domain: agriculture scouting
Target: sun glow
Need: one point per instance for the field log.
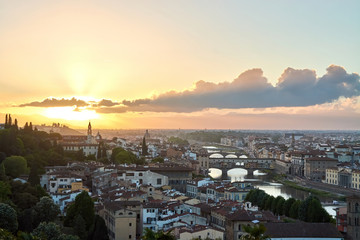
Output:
(70, 113)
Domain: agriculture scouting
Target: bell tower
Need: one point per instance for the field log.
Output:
(89, 132)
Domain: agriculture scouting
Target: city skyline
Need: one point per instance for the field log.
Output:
(189, 65)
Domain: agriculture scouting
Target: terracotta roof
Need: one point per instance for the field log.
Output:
(116, 205)
(321, 159)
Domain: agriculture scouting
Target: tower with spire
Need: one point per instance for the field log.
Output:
(89, 133)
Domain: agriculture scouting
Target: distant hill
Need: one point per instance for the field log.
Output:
(63, 130)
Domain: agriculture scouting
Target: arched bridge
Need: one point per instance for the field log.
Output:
(226, 162)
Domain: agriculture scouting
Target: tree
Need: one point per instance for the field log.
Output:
(79, 227)
(48, 231)
(280, 206)
(254, 233)
(46, 210)
(144, 148)
(6, 121)
(287, 206)
(274, 204)
(16, 124)
(83, 206)
(2, 173)
(149, 234)
(263, 202)
(269, 203)
(5, 191)
(158, 160)
(159, 235)
(8, 218)
(98, 230)
(2, 157)
(15, 166)
(6, 235)
(316, 213)
(294, 209)
(34, 178)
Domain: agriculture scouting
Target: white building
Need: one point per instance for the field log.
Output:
(144, 177)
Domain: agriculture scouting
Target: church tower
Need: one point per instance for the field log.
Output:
(89, 133)
(89, 129)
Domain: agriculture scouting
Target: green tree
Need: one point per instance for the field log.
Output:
(274, 204)
(79, 226)
(149, 234)
(263, 202)
(294, 209)
(144, 148)
(15, 166)
(255, 232)
(5, 191)
(316, 213)
(159, 235)
(98, 230)
(48, 231)
(157, 160)
(280, 206)
(46, 210)
(83, 206)
(8, 218)
(6, 235)
(269, 202)
(287, 206)
(2, 173)
(34, 178)
(178, 141)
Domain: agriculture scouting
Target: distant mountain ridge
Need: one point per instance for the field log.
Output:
(62, 130)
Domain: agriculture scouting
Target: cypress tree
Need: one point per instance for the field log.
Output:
(99, 152)
(6, 121)
(30, 126)
(144, 151)
(9, 121)
(16, 124)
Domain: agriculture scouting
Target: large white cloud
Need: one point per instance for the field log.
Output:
(252, 90)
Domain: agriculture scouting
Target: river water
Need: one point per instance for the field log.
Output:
(262, 181)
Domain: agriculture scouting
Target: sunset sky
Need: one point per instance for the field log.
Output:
(182, 64)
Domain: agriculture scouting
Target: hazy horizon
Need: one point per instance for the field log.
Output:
(182, 64)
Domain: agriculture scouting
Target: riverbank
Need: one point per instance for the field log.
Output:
(297, 184)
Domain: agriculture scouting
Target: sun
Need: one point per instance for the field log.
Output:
(70, 113)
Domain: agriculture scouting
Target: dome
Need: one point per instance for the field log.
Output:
(243, 156)
(231, 156)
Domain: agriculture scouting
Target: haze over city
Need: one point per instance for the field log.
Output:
(182, 64)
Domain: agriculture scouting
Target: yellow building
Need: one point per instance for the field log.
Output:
(332, 176)
(356, 179)
(199, 232)
(75, 185)
(122, 219)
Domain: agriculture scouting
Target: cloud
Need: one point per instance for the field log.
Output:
(295, 88)
(53, 102)
(106, 103)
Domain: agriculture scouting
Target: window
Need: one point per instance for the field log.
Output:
(129, 224)
(158, 181)
(129, 236)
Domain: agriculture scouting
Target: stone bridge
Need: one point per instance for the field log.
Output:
(226, 162)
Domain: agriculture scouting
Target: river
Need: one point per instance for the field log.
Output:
(262, 181)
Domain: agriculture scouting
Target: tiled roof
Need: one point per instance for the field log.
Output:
(116, 205)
